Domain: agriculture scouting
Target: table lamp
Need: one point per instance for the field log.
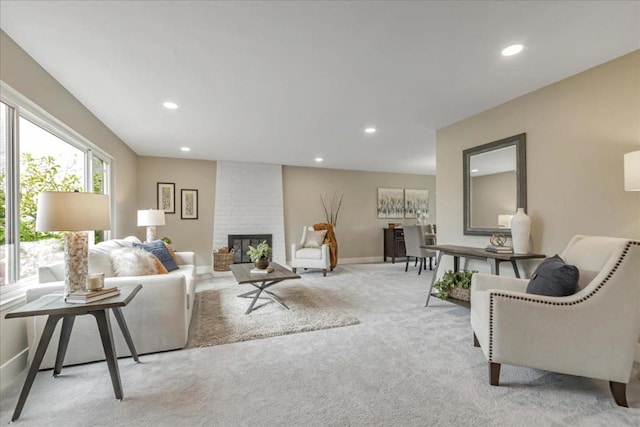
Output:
(504, 220)
(632, 171)
(150, 218)
(74, 213)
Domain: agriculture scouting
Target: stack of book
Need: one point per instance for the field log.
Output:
(84, 297)
(261, 270)
(500, 249)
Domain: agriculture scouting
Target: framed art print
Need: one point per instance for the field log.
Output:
(390, 203)
(189, 204)
(167, 197)
(416, 202)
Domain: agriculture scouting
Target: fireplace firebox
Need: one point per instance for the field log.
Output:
(240, 244)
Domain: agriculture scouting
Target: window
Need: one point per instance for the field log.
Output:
(38, 153)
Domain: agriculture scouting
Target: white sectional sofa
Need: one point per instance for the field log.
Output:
(158, 317)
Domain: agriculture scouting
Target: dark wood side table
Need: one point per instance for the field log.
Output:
(394, 244)
(55, 308)
(494, 259)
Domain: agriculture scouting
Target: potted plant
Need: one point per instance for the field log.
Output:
(454, 284)
(260, 255)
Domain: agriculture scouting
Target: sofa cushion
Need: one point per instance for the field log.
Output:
(309, 253)
(158, 248)
(100, 262)
(133, 262)
(554, 278)
(314, 239)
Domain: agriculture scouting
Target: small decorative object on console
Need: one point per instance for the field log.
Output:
(520, 232)
(497, 244)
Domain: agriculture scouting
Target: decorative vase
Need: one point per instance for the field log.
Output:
(261, 263)
(520, 232)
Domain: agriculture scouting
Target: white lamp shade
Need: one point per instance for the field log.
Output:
(72, 211)
(150, 217)
(632, 171)
(504, 220)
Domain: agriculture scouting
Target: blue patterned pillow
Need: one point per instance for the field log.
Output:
(158, 248)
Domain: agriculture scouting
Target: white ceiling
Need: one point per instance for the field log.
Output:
(285, 82)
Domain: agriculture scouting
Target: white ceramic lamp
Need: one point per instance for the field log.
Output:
(632, 171)
(150, 218)
(75, 213)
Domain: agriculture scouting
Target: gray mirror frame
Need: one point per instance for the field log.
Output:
(520, 142)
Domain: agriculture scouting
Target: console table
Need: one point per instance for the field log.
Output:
(494, 259)
(394, 244)
(57, 309)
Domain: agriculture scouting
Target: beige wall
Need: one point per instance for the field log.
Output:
(187, 234)
(359, 231)
(492, 195)
(577, 130)
(22, 73)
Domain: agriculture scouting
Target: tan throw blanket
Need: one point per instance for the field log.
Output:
(329, 239)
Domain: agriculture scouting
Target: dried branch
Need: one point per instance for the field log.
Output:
(331, 207)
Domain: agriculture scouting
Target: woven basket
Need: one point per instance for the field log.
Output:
(461, 294)
(221, 262)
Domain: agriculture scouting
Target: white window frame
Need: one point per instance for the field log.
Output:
(29, 110)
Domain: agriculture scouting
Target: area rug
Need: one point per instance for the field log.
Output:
(220, 318)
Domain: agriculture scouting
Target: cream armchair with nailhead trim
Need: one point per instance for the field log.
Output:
(592, 333)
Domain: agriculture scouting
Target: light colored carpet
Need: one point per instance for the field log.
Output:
(403, 365)
(220, 318)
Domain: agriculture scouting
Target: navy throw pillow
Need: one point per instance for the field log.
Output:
(158, 248)
(554, 278)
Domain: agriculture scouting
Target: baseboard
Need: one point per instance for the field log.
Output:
(361, 260)
(12, 368)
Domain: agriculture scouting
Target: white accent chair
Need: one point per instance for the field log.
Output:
(309, 257)
(413, 239)
(592, 333)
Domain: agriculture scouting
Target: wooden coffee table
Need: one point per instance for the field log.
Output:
(261, 281)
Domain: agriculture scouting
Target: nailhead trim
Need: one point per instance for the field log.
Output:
(584, 298)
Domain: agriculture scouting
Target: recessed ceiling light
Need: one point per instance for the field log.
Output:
(475, 170)
(370, 130)
(170, 105)
(319, 159)
(185, 148)
(512, 50)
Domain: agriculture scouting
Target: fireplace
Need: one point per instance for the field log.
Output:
(240, 244)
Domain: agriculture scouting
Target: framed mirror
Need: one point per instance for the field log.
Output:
(495, 185)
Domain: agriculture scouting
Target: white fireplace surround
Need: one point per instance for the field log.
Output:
(249, 200)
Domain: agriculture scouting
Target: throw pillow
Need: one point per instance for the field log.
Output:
(158, 248)
(554, 278)
(314, 239)
(133, 262)
(159, 266)
(171, 251)
(132, 239)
